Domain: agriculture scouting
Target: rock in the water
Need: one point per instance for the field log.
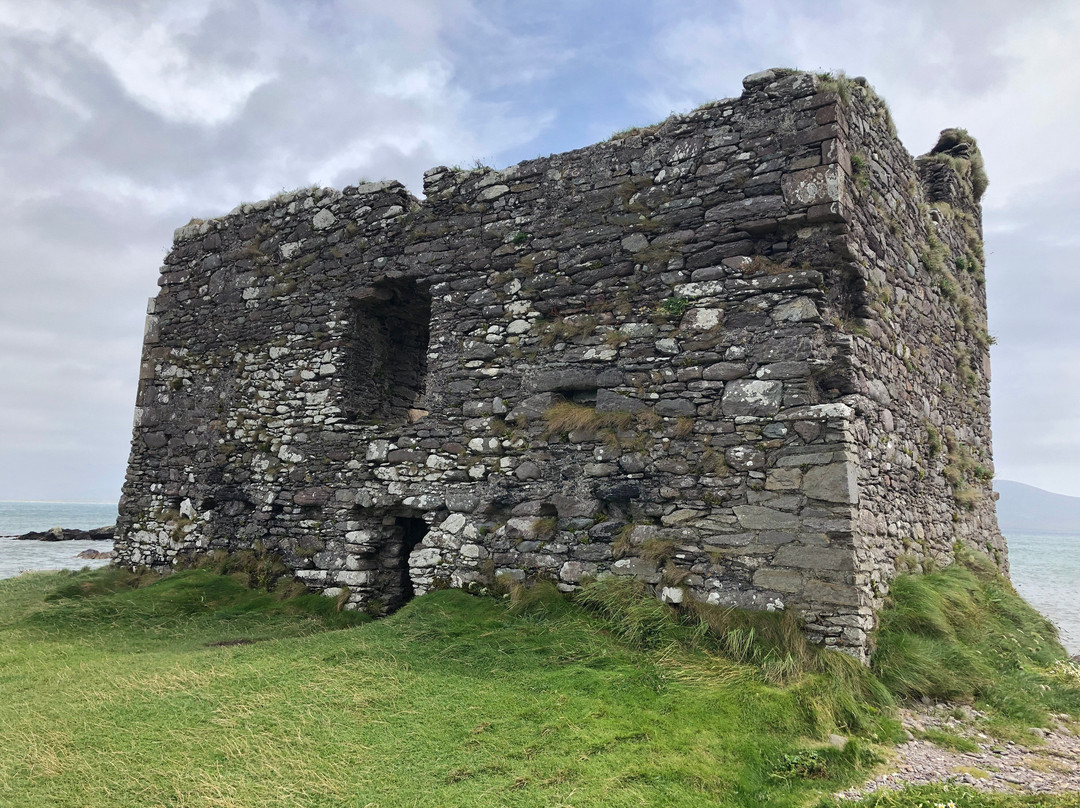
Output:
(69, 534)
(94, 554)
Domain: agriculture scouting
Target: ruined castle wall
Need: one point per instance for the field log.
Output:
(920, 352)
(653, 357)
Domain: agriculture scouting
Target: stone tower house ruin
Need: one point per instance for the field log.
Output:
(740, 355)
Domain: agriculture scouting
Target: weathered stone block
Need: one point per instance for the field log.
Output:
(569, 506)
(322, 220)
(311, 496)
(574, 571)
(563, 379)
(744, 458)
(752, 397)
(833, 593)
(757, 517)
(155, 440)
(527, 471)
(425, 557)
(801, 309)
(724, 371)
(757, 207)
(813, 186)
(836, 482)
(814, 557)
(673, 408)
(637, 567)
(610, 401)
(778, 580)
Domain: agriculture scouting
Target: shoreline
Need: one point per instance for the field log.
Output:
(1050, 765)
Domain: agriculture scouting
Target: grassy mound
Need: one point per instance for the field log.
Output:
(196, 690)
(964, 635)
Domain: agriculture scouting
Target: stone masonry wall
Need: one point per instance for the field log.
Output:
(920, 354)
(733, 355)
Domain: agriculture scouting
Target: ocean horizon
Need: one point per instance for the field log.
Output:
(22, 516)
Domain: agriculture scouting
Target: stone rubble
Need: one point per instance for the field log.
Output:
(1050, 767)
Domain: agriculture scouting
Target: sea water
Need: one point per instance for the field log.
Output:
(17, 518)
(1045, 569)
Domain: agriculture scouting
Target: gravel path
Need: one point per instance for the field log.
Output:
(1052, 766)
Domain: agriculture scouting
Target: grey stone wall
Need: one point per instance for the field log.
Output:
(733, 355)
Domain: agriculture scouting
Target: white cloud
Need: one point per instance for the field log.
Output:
(122, 120)
(1002, 73)
(146, 50)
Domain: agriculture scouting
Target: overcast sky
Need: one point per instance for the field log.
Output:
(119, 121)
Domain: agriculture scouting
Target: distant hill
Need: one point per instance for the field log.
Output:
(1028, 509)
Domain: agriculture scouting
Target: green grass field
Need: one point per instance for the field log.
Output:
(197, 691)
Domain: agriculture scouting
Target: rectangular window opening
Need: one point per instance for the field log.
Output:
(387, 359)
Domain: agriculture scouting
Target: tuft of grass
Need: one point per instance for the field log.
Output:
(657, 550)
(981, 774)
(623, 545)
(961, 150)
(545, 526)
(838, 690)
(713, 461)
(108, 581)
(164, 606)
(859, 171)
(950, 740)
(633, 615)
(933, 439)
(632, 131)
(839, 83)
(655, 255)
(616, 338)
(673, 307)
(541, 599)
(961, 469)
(566, 416)
(933, 257)
(258, 567)
(760, 265)
(648, 420)
(567, 329)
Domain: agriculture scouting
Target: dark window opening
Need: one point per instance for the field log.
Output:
(413, 529)
(388, 356)
(581, 395)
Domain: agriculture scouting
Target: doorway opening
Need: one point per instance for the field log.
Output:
(412, 529)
